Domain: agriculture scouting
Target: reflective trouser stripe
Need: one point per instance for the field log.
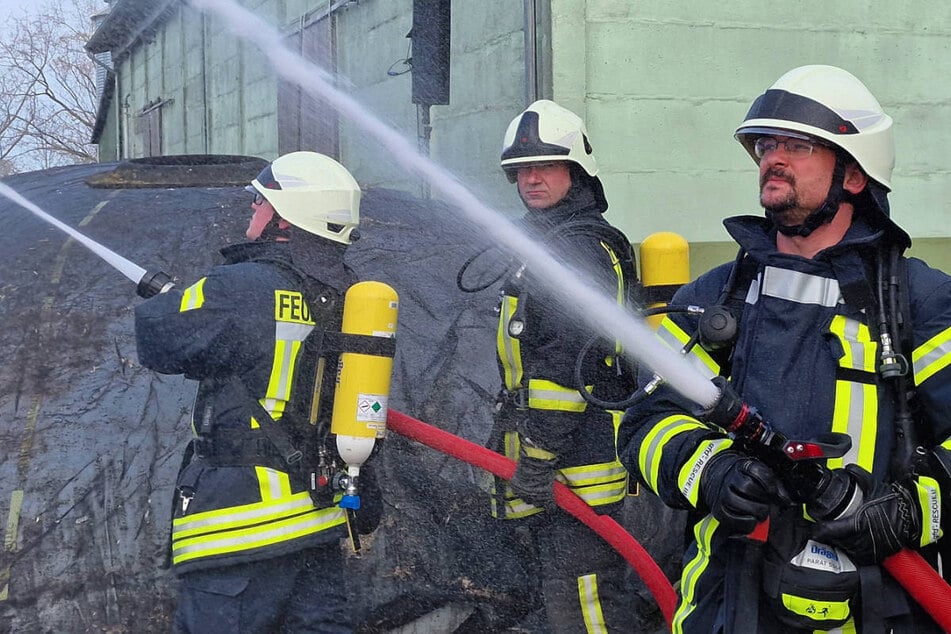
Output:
(856, 403)
(508, 348)
(693, 570)
(591, 604)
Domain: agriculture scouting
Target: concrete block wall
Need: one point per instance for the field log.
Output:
(665, 84)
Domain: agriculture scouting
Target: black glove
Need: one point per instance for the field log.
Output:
(534, 478)
(739, 490)
(888, 520)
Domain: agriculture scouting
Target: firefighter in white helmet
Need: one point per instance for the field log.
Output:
(835, 332)
(542, 420)
(255, 545)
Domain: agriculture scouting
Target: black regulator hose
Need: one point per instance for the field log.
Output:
(638, 394)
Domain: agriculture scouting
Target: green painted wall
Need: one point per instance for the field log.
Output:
(661, 85)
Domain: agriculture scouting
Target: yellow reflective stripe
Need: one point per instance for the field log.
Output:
(273, 484)
(652, 448)
(538, 452)
(932, 356)
(508, 348)
(616, 265)
(292, 326)
(249, 537)
(929, 501)
(859, 351)
(815, 609)
(591, 605)
(676, 338)
(855, 411)
(946, 444)
(688, 480)
(548, 395)
(693, 570)
(597, 484)
(193, 297)
(237, 517)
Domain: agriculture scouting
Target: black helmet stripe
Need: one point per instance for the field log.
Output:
(528, 143)
(787, 106)
(267, 180)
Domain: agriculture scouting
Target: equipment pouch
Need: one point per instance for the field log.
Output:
(807, 585)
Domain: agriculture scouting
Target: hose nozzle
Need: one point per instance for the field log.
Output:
(153, 283)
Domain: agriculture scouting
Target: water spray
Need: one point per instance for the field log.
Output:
(148, 283)
(599, 311)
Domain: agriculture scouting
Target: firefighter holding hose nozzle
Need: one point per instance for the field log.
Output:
(832, 351)
(258, 508)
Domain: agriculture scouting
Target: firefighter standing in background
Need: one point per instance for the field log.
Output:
(255, 550)
(837, 333)
(542, 420)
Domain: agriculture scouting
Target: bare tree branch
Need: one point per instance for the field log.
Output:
(48, 96)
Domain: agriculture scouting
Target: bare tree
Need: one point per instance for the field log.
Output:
(48, 95)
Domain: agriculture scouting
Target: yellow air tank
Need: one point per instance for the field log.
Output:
(363, 380)
(665, 267)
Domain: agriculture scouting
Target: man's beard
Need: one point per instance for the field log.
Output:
(778, 209)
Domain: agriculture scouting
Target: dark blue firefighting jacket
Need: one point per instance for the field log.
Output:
(540, 395)
(238, 331)
(806, 359)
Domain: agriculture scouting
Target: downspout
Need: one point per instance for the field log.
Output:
(115, 82)
(531, 52)
(206, 110)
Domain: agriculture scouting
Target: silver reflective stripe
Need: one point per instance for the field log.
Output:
(253, 514)
(799, 287)
(287, 343)
(591, 605)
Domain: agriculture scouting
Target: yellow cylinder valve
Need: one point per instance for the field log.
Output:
(665, 267)
(363, 380)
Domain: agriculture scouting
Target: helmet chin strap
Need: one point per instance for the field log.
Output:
(274, 231)
(825, 212)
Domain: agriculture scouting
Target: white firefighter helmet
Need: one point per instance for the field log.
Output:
(830, 104)
(547, 132)
(313, 192)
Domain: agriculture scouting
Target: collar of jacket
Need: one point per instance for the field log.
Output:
(757, 236)
(248, 251)
(846, 260)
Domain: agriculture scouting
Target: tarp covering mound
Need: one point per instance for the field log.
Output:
(92, 440)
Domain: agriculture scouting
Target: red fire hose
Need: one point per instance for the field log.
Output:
(923, 583)
(609, 530)
(919, 579)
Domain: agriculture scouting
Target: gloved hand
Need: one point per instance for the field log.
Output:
(888, 520)
(739, 490)
(534, 478)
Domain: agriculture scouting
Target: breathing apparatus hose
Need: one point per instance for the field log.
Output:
(605, 526)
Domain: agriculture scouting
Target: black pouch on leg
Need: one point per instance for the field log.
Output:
(808, 585)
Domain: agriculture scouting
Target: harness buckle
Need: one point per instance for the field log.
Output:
(185, 495)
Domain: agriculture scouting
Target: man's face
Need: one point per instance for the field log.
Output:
(794, 182)
(263, 214)
(542, 185)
